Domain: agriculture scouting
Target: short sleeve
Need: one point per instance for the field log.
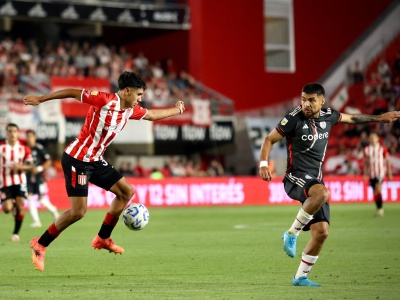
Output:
(95, 98)
(336, 117)
(286, 125)
(138, 112)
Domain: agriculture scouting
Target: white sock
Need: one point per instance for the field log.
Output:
(307, 261)
(301, 220)
(50, 207)
(33, 209)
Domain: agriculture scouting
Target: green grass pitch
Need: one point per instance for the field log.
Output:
(207, 253)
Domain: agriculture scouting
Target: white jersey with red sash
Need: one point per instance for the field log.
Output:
(10, 155)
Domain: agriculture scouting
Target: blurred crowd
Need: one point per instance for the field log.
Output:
(73, 59)
(380, 92)
(173, 167)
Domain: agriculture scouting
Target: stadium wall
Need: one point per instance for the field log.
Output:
(226, 45)
(219, 191)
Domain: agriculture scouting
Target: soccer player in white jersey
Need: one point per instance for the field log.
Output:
(15, 160)
(307, 131)
(376, 164)
(36, 179)
(83, 161)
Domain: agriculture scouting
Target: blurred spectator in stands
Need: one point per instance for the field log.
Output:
(156, 174)
(156, 70)
(348, 167)
(357, 73)
(379, 105)
(373, 83)
(139, 170)
(166, 170)
(140, 62)
(125, 168)
(351, 108)
(383, 69)
(169, 66)
(215, 168)
(358, 151)
(396, 65)
(178, 168)
(192, 169)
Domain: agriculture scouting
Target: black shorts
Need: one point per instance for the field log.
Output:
(297, 186)
(374, 181)
(36, 188)
(78, 174)
(13, 191)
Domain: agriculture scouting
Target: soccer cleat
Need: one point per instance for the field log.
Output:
(15, 238)
(38, 253)
(304, 281)
(379, 212)
(36, 225)
(108, 244)
(289, 243)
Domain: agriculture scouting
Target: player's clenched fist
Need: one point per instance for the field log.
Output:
(181, 106)
(31, 100)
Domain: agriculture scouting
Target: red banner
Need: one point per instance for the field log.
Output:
(71, 107)
(224, 191)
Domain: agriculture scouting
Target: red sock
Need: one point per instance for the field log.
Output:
(110, 219)
(53, 231)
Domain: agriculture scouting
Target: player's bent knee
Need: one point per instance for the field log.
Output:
(77, 215)
(127, 193)
(325, 195)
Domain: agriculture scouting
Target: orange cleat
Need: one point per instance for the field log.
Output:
(38, 253)
(108, 244)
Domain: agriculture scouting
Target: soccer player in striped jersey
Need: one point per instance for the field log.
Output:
(376, 164)
(83, 162)
(15, 160)
(306, 130)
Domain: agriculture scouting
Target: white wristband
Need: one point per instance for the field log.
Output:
(263, 163)
(39, 168)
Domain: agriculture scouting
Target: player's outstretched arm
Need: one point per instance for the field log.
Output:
(158, 114)
(61, 94)
(388, 117)
(266, 147)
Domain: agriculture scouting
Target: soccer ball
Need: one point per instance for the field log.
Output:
(135, 216)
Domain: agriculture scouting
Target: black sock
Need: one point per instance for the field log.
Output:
(105, 231)
(18, 222)
(46, 239)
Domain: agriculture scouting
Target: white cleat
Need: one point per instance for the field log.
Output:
(15, 238)
(36, 225)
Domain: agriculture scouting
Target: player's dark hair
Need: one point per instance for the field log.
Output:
(130, 79)
(314, 88)
(12, 125)
(30, 131)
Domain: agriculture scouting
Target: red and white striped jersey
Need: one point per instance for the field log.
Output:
(10, 155)
(104, 120)
(375, 157)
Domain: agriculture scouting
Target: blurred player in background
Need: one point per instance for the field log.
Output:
(307, 131)
(83, 161)
(15, 160)
(376, 164)
(36, 179)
